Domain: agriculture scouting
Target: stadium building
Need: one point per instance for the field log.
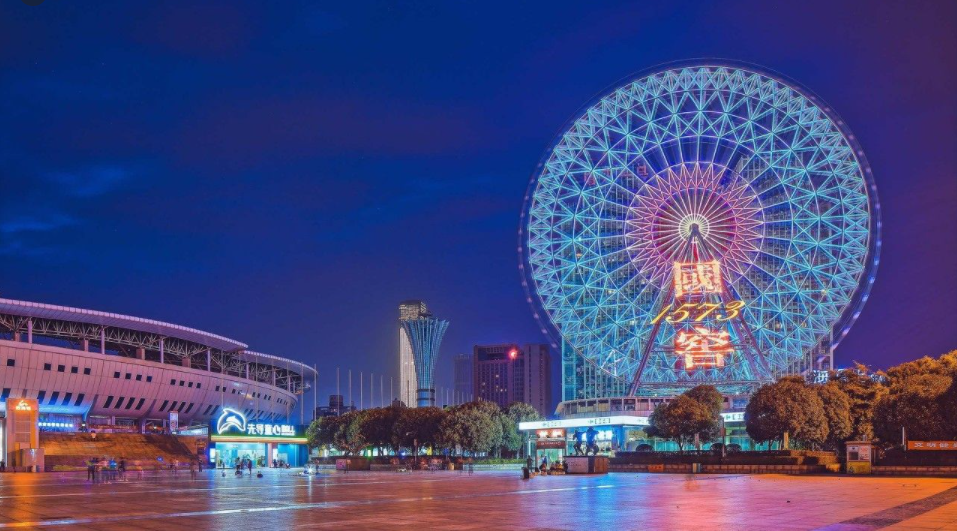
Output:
(89, 372)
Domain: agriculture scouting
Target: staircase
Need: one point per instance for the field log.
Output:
(70, 451)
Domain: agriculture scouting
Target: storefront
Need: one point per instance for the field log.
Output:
(608, 435)
(233, 438)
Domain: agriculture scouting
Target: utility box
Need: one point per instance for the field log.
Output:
(592, 464)
(859, 457)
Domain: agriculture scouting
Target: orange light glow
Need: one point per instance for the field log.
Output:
(703, 348)
(697, 278)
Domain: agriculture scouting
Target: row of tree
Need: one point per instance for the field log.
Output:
(473, 427)
(918, 398)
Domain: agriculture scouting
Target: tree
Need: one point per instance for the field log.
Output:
(945, 365)
(786, 406)
(417, 427)
(519, 412)
(837, 411)
(474, 426)
(918, 403)
(681, 419)
(349, 436)
(378, 427)
(864, 392)
(709, 396)
(321, 432)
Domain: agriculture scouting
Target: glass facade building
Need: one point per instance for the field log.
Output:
(408, 383)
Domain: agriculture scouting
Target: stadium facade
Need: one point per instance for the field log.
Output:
(96, 371)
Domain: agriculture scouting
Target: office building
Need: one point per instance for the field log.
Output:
(408, 384)
(509, 373)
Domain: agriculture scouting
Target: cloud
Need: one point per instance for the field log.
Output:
(90, 182)
(20, 235)
(33, 223)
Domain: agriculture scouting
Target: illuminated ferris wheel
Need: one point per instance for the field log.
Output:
(703, 223)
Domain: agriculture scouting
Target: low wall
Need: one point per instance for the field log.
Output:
(706, 458)
(914, 470)
(683, 468)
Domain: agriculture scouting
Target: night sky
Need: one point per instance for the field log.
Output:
(284, 173)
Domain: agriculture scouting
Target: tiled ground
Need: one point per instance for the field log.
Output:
(487, 500)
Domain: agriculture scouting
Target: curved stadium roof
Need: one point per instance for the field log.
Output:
(139, 324)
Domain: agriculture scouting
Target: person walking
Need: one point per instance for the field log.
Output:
(250, 465)
(192, 469)
(91, 470)
(3, 465)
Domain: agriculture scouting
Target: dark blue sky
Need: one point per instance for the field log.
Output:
(285, 172)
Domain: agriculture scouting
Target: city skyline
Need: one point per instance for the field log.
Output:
(139, 214)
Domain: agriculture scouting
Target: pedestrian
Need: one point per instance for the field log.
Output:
(192, 469)
(250, 465)
(3, 465)
(91, 470)
(122, 467)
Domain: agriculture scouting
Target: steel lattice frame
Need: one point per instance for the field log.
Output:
(772, 176)
(177, 351)
(425, 335)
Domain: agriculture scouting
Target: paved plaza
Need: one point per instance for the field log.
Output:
(486, 500)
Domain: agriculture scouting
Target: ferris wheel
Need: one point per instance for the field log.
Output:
(706, 223)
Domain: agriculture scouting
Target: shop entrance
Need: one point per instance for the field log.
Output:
(230, 454)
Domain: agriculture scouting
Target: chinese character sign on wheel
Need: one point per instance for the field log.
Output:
(697, 278)
(703, 347)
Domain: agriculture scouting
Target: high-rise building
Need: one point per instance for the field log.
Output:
(408, 384)
(581, 379)
(462, 377)
(335, 408)
(425, 336)
(509, 373)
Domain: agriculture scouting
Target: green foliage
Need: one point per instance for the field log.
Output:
(920, 403)
(837, 411)
(474, 426)
(680, 419)
(786, 406)
(349, 436)
(420, 425)
(864, 392)
(377, 427)
(512, 439)
(709, 396)
(945, 365)
(321, 432)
